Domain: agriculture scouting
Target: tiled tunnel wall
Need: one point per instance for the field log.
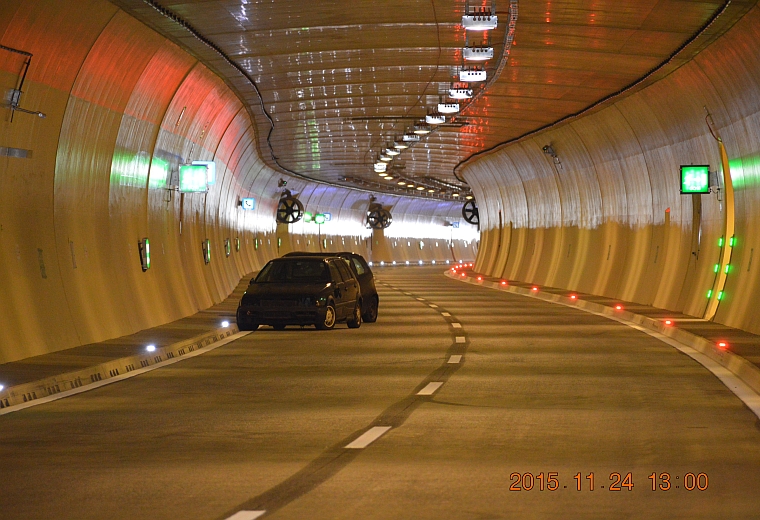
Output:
(609, 218)
(81, 187)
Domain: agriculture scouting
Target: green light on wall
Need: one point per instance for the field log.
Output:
(695, 179)
(144, 248)
(720, 295)
(721, 242)
(227, 247)
(237, 244)
(279, 243)
(206, 250)
(716, 268)
(307, 217)
(193, 178)
(709, 293)
(732, 242)
(256, 244)
(319, 218)
(728, 268)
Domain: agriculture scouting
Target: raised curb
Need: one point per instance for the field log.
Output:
(18, 395)
(737, 365)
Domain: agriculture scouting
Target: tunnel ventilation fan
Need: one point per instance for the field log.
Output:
(378, 217)
(289, 209)
(470, 212)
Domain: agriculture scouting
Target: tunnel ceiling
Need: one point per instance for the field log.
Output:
(340, 79)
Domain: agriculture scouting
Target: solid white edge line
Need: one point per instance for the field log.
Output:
(122, 377)
(430, 388)
(246, 515)
(368, 437)
(738, 387)
(454, 359)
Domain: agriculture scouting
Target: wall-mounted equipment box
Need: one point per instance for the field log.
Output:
(206, 251)
(193, 178)
(144, 247)
(695, 179)
(248, 203)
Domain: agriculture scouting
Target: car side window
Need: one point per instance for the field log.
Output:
(344, 271)
(334, 273)
(358, 266)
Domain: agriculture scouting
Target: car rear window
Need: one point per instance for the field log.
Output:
(358, 265)
(294, 271)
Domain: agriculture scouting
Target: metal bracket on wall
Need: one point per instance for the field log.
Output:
(13, 96)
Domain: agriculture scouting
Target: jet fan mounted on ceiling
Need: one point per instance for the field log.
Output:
(470, 213)
(377, 216)
(289, 209)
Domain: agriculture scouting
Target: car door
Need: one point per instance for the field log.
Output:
(351, 286)
(339, 293)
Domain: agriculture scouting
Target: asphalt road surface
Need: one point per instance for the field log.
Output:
(452, 405)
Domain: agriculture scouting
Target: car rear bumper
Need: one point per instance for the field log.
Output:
(250, 315)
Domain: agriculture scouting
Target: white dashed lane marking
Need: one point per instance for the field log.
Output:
(246, 515)
(433, 306)
(447, 314)
(456, 325)
(460, 339)
(368, 437)
(430, 388)
(456, 358)
(420, 299)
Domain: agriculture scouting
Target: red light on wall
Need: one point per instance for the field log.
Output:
(534, 289)
(619, 307)
(723, 345)
(573, 297)
(668, 322)
(480, 279)
(463, 275)
(503, 282)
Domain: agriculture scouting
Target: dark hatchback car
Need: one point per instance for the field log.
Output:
(301, 291)
(370, 299)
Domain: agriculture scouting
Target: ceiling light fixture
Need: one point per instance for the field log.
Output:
(457, 92)
(477, 53)
(420, 188)
(400, 145)
(421, 129)
(386, 158)
(411, 138)
(390, 150)
(471, 75)
(448, 108)
(479, 18)
(435, 118)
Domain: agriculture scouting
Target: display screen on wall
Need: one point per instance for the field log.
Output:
(248, 203)
(193, 178)
(695, 179)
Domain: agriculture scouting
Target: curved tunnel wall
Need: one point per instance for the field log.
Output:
(609, 219)
(79, 188)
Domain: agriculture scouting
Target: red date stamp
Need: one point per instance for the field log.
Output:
(551, 481)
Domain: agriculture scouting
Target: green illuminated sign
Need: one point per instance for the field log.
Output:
(193, 178)
(695, 179)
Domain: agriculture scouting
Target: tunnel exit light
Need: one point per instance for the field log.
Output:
(695, 179)
(193, 178)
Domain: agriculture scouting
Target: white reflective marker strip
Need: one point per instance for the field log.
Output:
(368, 437)
(456, 325)
(420, 299)
(460, 339)
(446, 314)
(430, 388)
(246, 515)
(433, 306)
(125, 375)
(456, 358)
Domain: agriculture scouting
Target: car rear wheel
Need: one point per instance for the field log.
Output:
(329, 321)
(355, 321)
(371, 315)
(247, 326)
